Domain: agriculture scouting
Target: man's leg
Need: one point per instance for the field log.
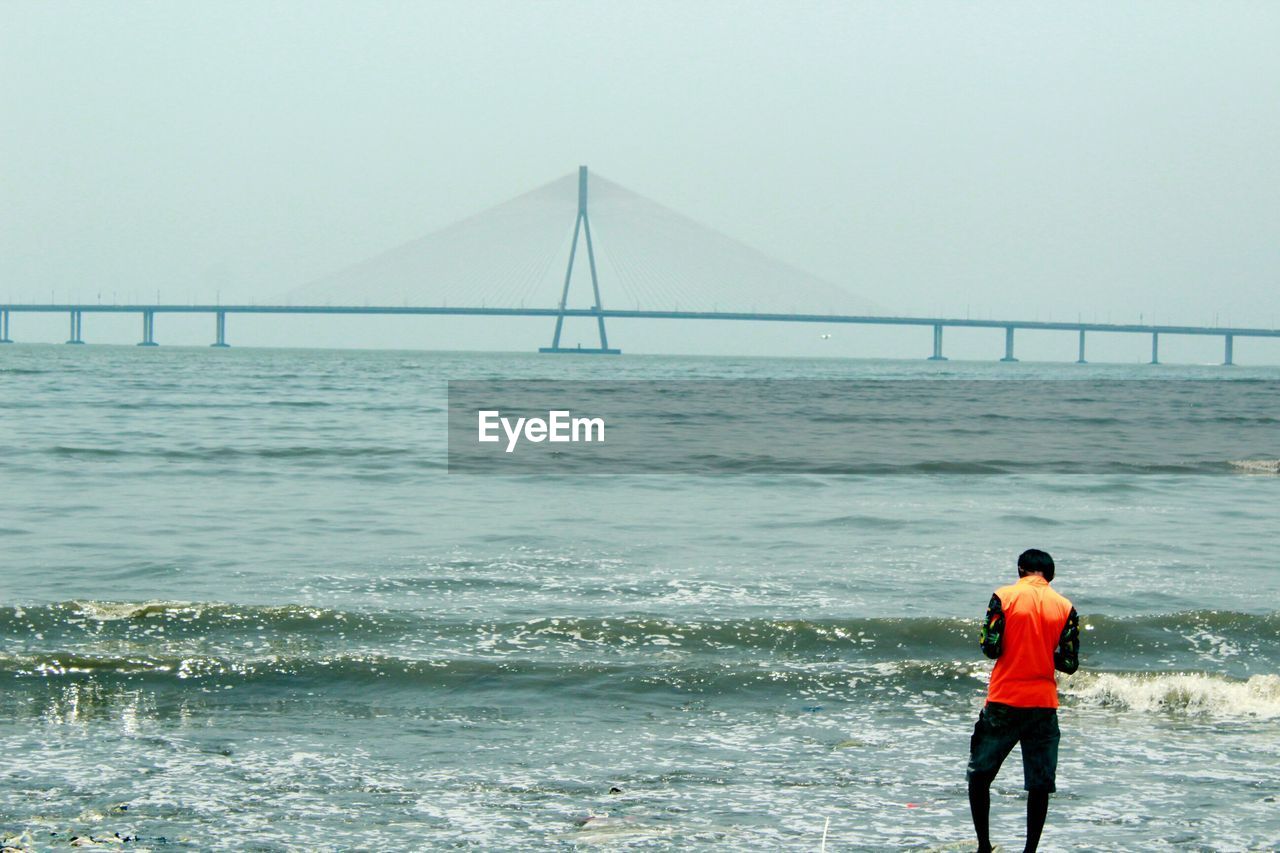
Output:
(991, 742)
(980, 808)
(1040, 770)
(1037, 810)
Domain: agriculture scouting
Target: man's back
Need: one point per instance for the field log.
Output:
(1034, 617)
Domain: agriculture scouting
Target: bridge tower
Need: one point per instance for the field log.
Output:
(581, 225)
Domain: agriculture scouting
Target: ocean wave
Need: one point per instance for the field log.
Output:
(899, 683)
(176, 620)
(1190, 693)
(1257, 466)
(1208, 636)
(661, 678)
(790, 466)
(1199, 662)
(223, 453)
(758, 465)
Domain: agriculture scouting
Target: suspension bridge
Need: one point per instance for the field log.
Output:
(630, 257)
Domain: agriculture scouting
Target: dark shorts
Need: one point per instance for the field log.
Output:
(999, 727)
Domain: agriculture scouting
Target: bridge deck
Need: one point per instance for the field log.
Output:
(642, 314)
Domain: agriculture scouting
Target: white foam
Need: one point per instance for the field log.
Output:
(1191, 693)
(1257, 466)
(110, 611)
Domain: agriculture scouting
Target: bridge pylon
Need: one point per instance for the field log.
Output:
(581, 225)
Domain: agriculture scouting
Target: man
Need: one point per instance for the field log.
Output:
(1030, 631)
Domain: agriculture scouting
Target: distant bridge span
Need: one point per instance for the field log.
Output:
(76, 311)
(699, 263)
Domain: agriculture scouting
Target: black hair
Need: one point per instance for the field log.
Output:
(1035, 560)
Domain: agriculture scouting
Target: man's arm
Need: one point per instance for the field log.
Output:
(993, 629)
(1066, 657)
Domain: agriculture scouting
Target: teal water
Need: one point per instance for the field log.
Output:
(243, 604)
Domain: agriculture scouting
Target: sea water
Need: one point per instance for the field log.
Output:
(244, 604)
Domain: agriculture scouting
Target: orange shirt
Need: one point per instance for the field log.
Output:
(1034, 616)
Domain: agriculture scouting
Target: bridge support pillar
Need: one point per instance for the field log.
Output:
(220, 330)
(1081, 360)
(1008, 344)
(1155, 347)
(1228, 355)
(581, 225)
(76, 317)
(937, 345)
(4, 328)
(148, 329)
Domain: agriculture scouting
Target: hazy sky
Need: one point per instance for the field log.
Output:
(1011, 159)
